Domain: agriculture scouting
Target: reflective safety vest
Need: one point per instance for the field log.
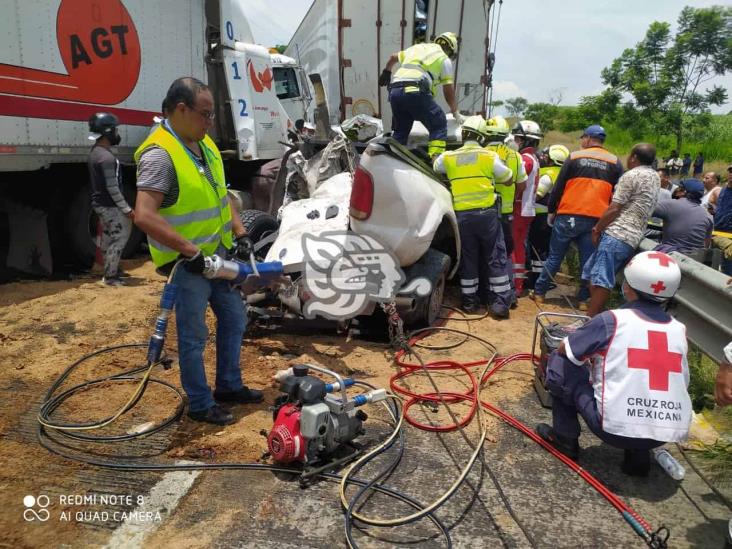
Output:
(590, 182)
(641, 383)
(422, 61)
(512, 159)
(552, 172)
(201, 214)
(470, 170)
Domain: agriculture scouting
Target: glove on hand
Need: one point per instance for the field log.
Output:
(195, 264)
(243, 248)
(385, 78)
(459, 118)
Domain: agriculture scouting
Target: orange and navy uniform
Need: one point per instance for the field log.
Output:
(585, 184)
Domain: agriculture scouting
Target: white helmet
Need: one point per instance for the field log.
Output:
(528, 129)
(558, 154)
(656, 275)
(474, 123)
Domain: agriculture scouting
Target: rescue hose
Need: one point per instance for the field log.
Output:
(154, 357)
(52, 401)
(652, 538)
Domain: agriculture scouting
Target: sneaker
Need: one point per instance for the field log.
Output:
(636, 463)
(568, 446)
(113, 281)
(245, 395)
(498, 314)
(215, 414)
(538, 298)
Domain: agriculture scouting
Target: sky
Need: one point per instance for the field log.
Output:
(544, 47)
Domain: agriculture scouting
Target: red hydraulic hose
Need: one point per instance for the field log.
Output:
(639, 525)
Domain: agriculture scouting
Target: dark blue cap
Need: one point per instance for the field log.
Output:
(596, 131)
(693, 187)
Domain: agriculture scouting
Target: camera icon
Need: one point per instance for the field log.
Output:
(36, 508)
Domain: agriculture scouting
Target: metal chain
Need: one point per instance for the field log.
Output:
(396, 326)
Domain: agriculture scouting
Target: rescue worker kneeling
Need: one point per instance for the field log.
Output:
(625, 371)
(473, 172)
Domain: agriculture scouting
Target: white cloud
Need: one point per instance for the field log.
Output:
(570, 49)
(507, 89)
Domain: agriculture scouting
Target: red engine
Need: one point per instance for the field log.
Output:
(285, 442)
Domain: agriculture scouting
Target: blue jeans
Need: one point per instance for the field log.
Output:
(421, 106)
(567, 229)
(573, 394)
(610, 256)
(194, 294)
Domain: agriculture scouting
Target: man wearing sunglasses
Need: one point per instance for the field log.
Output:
(183, 207)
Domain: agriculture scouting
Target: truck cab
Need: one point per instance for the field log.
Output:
(259, 94)
(291, 86)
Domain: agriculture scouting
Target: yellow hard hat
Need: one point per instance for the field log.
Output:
(449, 41)
(558, 154)
(497, 126)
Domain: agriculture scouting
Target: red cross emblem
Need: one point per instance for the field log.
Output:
(658, 287)
(657, 360)
(663, 259)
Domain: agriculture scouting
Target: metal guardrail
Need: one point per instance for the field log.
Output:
(703, 303)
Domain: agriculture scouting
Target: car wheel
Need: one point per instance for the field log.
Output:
(260, 226)
(82, 228)
(433, 266)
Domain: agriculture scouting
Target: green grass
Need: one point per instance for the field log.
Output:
(715, 142)
(703, 372)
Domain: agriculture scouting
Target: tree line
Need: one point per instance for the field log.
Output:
(657, 88)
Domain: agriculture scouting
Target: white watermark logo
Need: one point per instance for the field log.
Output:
(35, 508)
(345, 271)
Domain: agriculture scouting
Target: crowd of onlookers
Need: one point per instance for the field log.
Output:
(678, 166)
(696, 213)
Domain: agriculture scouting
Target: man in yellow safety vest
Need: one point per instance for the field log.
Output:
(183, 207)
(422, 68)
(473, 173)
(496, 132)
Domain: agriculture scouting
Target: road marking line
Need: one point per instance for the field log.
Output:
(163, 498)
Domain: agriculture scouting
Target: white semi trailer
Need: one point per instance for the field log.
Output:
(349, 41)
(63, 60)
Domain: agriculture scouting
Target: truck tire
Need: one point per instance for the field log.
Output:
(259, 225)
(81, 229)
(434, 266)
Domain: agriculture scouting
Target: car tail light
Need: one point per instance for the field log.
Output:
(362, 195)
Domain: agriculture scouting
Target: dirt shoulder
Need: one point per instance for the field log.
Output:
(45, 326)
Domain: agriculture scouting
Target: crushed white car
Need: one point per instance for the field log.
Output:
(395, 209)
